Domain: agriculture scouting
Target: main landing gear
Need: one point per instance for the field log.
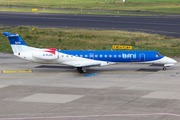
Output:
(81, 69)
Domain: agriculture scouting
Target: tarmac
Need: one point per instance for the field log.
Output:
(122, 91)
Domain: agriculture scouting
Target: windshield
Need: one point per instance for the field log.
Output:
(159, 55)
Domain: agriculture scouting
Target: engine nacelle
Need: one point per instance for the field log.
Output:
(46, 55)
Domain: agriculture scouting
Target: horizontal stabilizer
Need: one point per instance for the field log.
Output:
(10, 34)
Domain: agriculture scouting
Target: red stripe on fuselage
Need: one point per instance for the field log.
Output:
(51, 50)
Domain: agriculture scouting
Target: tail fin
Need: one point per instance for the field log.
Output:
(15, 39)
(17, 44)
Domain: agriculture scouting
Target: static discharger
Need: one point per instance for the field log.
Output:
(16, 71)
(121, 47)
(34, 9)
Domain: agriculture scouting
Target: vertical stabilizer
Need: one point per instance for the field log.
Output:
(17, 44)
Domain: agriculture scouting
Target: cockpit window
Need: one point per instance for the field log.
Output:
(159, 55)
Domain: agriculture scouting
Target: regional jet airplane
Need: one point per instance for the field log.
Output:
(84, 59)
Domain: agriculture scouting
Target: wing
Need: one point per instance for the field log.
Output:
(82, 63)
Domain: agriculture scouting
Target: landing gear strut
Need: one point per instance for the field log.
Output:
(81, 69)
(164, 68)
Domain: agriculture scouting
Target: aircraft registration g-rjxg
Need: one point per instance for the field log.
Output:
(84, 59)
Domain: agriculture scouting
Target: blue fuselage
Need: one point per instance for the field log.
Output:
(116, 56)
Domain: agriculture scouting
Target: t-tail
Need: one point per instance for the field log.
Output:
(17, 43)
(21, 50)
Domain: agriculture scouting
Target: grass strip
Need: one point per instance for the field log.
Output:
(90, 39)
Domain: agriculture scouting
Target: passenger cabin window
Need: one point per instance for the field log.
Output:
(76, 55)
(81, 55)
(96, 56)
(114, 56)
(101, 56)
(86, 56)
(105, 56)
(119, 56)
(110, 56)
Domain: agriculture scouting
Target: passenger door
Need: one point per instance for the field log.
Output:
(91, 56)
(142, 57)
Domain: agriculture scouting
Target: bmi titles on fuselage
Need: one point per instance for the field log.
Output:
(128, 56)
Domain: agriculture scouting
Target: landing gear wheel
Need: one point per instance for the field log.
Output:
(80, 69)
(164, 68)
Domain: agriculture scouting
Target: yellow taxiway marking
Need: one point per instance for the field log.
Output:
(16, 71)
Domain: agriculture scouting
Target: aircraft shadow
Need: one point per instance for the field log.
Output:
(148, 70)
(51, 66)
(98, 70)
(139, 70)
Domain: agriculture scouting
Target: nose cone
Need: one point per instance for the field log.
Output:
(167, 60)
(174, 61)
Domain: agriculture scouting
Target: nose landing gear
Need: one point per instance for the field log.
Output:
(164, 68)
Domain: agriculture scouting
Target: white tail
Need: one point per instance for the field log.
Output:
(17, 43)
